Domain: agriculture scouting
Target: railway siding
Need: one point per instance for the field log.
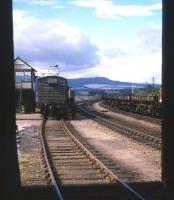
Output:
(140, 134)
(131, 161)
(134, 115)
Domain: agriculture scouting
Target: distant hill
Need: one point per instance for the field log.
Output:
(101, 83)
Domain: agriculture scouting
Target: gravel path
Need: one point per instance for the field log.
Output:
(135, 157)
(31, 171)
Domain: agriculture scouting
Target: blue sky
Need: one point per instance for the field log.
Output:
(118, 39)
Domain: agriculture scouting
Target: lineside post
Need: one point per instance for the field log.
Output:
(9, 170)
(168, 98)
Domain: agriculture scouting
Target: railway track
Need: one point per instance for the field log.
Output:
(123, 172)
(69, 162)
(143, 117)
(135, 124)
(143, 134)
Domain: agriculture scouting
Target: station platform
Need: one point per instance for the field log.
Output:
(32, 116)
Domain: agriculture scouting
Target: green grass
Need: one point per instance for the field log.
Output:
(23, 164)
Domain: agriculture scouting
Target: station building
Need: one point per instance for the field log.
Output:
(25, 77)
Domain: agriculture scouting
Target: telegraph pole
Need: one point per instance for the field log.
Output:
(153, 82)
(132, 88)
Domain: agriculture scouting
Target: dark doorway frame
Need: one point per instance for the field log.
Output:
(9, 168)
(167, 150)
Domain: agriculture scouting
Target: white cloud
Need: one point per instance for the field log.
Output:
(131, 68)
(107, 9)
(59, 6)
(150, 39)
(38, 2)
(103, 29)
(139, 64)
(44, 42)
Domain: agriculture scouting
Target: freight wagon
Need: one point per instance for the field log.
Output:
(145, 105)
(54, 95)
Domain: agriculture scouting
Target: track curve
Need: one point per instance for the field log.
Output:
(71, 163)
(140, 134)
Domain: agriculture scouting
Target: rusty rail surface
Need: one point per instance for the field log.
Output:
(113, 178)
(123, 129)
(53, 180)
(111, 175)
(103, 169)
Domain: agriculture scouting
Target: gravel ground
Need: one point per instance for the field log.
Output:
(128, 153)
(135, 157)
(124, 117)
(31, 171)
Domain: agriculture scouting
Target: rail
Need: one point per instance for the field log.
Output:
(113, 178)
(111, 175)
(136, 115)
(153, 138)
(55, 184)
